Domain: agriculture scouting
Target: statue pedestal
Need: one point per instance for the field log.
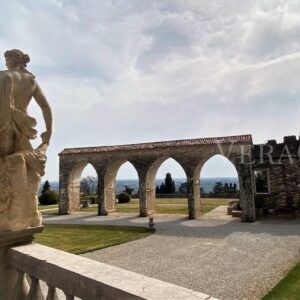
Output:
(13, 238)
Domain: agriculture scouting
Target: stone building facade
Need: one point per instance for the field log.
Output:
(277, 165)
(281, 164)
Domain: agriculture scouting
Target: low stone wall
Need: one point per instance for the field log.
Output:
(87, 279)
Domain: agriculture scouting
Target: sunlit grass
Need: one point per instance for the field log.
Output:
(288, 288)
(166, 206)
(78, 239)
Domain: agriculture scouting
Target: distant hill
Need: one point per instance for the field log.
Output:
(206, 183)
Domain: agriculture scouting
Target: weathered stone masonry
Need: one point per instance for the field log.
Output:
(281, 161)
(147, 158)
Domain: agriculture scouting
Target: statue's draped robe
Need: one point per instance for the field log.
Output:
(20, 165)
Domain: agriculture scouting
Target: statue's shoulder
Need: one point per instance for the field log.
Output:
(5, 77)
(5, 73)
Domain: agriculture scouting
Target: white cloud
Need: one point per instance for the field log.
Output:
(135, 71)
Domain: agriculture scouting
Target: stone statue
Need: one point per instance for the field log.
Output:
(21, 166)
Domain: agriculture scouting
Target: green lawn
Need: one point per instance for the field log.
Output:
(48, 209)
(42, 207)
(163, 206)
(288, 288)
(166, 206)
(78, 239)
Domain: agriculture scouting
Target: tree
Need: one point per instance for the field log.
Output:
(169, 184)
(88, 185)
(48, 196)
(162, 188)
(157, 191)
(124, 197)
(128, 190)
(173, 187)
(46, 187)
(218, 187)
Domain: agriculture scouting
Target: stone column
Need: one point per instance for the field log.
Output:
(193, 194)
(69, 186)
(110, 197)
(106, 192)
(246, 193)
(147, 196)
(143, 198)
(63, 189)
(102, 210)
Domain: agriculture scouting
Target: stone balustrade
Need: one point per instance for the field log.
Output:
(80, 277)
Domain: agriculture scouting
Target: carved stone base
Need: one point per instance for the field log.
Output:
(13, 238)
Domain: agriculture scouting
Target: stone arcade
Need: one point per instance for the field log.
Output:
(279, 160)
(146, 158)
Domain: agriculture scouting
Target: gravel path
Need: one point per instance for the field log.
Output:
(216, 255)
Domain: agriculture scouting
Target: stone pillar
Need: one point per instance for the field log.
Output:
(69, 186)
(74, 192)
(102, 210)
(63, 189)
(106, 192)
(246, 193)
(193, 194)
(110, 198)
(147, 196)
(143, 198)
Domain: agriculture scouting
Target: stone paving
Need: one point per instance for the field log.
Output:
(217, 255)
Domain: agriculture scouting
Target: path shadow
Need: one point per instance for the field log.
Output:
(204, 227)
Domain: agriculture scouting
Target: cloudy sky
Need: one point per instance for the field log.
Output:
(130, 71)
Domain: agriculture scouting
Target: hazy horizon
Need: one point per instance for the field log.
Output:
(207, 183)
(175, 178)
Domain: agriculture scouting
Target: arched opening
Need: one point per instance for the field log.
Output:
(82, 183)
(88, 187)
(127, 189)
(170, 188)
(219, 184)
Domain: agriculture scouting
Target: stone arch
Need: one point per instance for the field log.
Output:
(200, 166)
(203, 164)
(107, 186)
(150, 177)
(244, 172)
(73, 186)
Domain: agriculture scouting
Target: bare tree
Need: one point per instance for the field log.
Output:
(88, 185)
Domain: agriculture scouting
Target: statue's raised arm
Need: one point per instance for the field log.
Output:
(47, 114)
(21, 166)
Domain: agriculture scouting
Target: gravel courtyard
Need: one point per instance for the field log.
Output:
(216, 255)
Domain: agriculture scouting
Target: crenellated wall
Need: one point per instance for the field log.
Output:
(281, 160)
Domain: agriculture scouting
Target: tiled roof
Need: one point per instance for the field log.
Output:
(241, 139)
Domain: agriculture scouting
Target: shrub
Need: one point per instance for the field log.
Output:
(48, 197)
(124, 197)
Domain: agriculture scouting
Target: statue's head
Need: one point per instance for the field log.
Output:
(16, 59)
